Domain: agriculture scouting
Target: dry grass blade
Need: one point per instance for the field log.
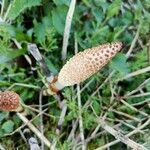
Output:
(2, 7)
(2, 148)
(134, 41)
(35, 130)
(7, 12)
(118, 135)
(80, 118)
(135, 73)
(29, 139)
(67, 28)
(128, 135)
(41, 118)
(80, 107)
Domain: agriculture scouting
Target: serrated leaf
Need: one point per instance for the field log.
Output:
(7, 31)
(114, 8)
(8, 126)
(51, 66)
(2, 116)
(47, 21)
(39, 31)
(58, 18)
(58, 2)
(7, 54)
(127, 18)
(19, 6)
(96, 106)
(119, 63)
(98, 14)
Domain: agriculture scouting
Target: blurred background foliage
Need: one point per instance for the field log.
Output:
(94, 22)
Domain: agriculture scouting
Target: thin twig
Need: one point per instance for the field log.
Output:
(134, 41)
(125, 115)
(2, 7)
(142, 102)
(62, 116)
(67, 28)
(41, 118)
(124, 123)
(148, 51)
(139, 95)
(135, 73)
(118, 135)
(128, 135)
(95, 92)
(34, 129)
(71, 135)
(63, 105)
(32, 141)
(7, 12)
(23, 85)
(23, 125)
(2, 148)
(80, 107)
(133, 108)
(26, 56)
(138, 88)
(80, 118)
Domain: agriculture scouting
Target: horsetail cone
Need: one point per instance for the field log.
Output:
(9, 101)
(85, 64)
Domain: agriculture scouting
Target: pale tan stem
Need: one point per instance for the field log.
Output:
(2, 7)
(134, 41)
(34, 129)
(67, 28)
(118, 135)
(80, 118)
(60, 123)
(41, 118)
(135, 73)
(128, 135)
(7, 12)
(2, 148)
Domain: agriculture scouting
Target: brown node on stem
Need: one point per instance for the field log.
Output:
(84, 64)
(10, 101)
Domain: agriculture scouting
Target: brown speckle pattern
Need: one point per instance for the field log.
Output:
(86, 63)
(9, 101)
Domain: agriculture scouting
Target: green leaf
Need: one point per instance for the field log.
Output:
(58, 18)
(140, 61)
(3, 115)
(100, 35)
(47, 21)
(7, 31)
(51, 66)
(19, 6)
(98, 14)
(114, 8)
(61, 2)
(96, 106)
(39, 31)
(8, 126)
(7, 54)
(127, 18)
(127, 37)
(119, 64)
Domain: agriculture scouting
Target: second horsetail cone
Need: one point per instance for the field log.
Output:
(9, 101)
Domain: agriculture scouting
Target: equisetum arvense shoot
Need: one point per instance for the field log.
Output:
(83, 65)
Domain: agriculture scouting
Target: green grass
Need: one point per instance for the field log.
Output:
(123, 103)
